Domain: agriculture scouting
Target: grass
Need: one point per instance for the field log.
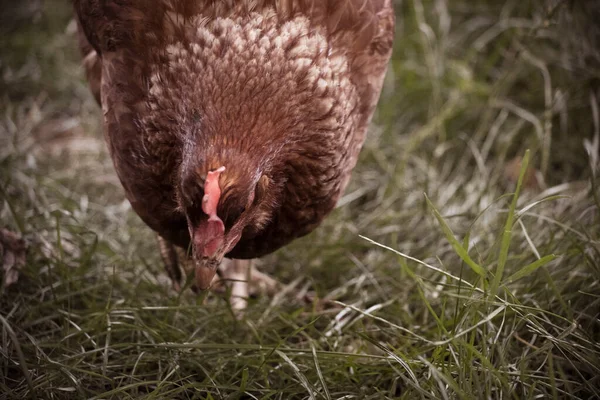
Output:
(447, 271)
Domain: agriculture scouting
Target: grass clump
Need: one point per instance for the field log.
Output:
(487, 286)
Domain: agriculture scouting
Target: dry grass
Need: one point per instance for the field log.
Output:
(432, 279)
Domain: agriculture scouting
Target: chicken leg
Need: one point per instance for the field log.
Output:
(245, 280)
(170, 257)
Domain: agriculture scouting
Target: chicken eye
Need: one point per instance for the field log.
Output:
(191, 190)
(233, 216)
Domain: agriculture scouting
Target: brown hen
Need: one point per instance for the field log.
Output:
(234, 125)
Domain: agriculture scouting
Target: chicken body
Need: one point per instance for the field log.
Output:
(277, 92)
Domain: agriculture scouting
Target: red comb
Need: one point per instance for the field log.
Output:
(212, 192)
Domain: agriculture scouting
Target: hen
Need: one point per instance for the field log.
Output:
(234, 125)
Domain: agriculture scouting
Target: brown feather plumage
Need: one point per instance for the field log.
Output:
(278, 91)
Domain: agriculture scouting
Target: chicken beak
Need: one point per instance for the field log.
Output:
(207, 262)
(208, 251)
(205, 271)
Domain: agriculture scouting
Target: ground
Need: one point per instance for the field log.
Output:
(441, 274)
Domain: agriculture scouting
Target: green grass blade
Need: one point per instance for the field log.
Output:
(507, 233)
(303, 380)
(320, 373)
(531, 268)
(456, 245)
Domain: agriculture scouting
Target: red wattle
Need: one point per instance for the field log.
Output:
(208, 236)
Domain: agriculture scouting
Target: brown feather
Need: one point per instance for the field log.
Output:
(279, 91)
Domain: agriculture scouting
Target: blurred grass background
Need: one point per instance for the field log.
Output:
(467, 292)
